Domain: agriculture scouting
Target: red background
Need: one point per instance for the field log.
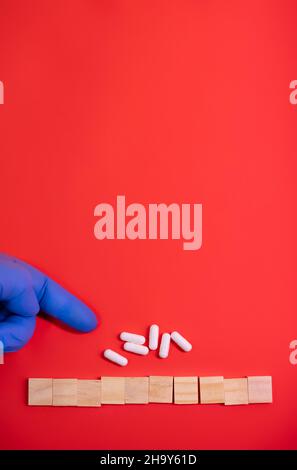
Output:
(162, 101)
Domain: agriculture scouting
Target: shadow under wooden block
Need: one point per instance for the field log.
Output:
(260, 389)
(211, 390)
(185, 390)
(160, 389)
(236, 391)
(40, 392)
(112, 390)
(137, 390)
(88, 393)
(64, 392)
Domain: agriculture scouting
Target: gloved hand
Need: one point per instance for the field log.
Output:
(24, 291)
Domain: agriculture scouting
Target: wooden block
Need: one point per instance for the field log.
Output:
(260, 389)
(161, 389)
(40, 392)
(112, 390)
(64, 392)
(212, 390)
(88, 393)
(136, 389)
(236, 391)
(185, 390)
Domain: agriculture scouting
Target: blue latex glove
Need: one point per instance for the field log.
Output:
(24, 291)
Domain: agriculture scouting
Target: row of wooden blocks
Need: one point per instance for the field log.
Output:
(153, 389)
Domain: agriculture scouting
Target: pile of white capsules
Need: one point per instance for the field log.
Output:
(135, 344)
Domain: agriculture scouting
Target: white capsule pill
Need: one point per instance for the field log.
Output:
(154, 337)
(136, 348)
(181, 341)
(115, 357)
(164, 346)
(132, 338)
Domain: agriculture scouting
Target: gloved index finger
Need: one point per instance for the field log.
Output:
(57, 302)
(61, 304)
